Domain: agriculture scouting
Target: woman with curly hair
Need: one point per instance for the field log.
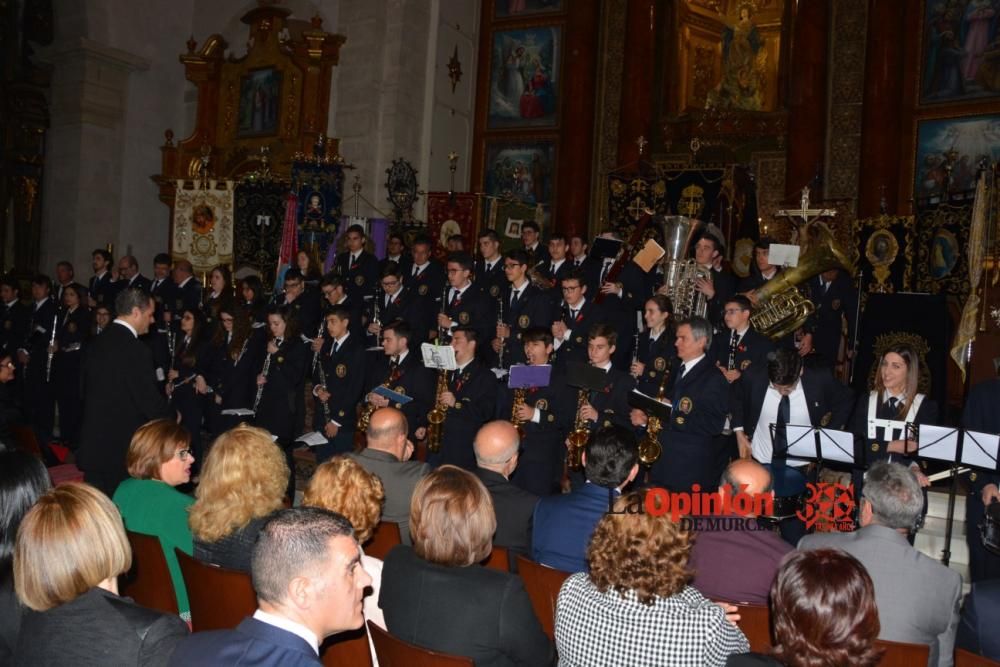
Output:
(436, 595)
(823, 612)
(635, 606)
(243, 480)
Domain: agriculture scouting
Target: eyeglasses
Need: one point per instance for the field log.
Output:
(570, 288)
(183, 454)
(511, 265)
(389, 284)
(733, 311)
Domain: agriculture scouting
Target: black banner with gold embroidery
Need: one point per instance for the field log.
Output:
(942, 235)
(260, 211)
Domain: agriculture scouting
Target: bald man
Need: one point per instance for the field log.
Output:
(736, 561)
(497, 446)
(388, 456)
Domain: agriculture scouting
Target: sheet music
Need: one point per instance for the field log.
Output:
(834, 445)
(313, 439)
(780, 254)
(980, 449)
(439, 357)
(939, 443)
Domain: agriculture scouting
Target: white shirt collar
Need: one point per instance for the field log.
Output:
(522, 286)
(402, 356)
(288, 626)
(342, 299)
(459, 369)
(421, 267)
(127, 326)
(606, 367)
(132, 279)
(340, 341)
(774, 272)
(688, 365)
(556, 263)
(185, 281)
(11, 303)
(394, 258)
(38, 304)
(461, 290)
(100, 275)
(579, 306)
(740, 333)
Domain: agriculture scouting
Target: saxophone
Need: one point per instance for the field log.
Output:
(366, 413)
(649, 447)
(578, 437)
(435, 417)
(518, 402)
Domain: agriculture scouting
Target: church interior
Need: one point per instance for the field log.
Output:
(858, 137)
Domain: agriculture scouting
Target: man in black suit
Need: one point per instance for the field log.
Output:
(470, 398)
(608, 406)
(15, 317)
(162, 289)
(832, 292)
(537, 253)
(339, 390)
(576, 316)
(119, 392)
(708, 253)
(590, 268)
(129, 276)
(33, 355)
(496, 448)
(64, 278)
(396, 302)
(187, 295)
(524, 306)
(981, 415)
(490, 278)
(466, 306)
(427, 277)
(395, 251)
(357, 266)
(739, 347)
(558, 264)
(303, 305)
(307, 574)
(388, 456)
(699, 397)
(402, 370)
(101, 288)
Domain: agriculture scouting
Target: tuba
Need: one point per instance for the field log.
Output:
(780, 307)
(578, 437)
(679, 273)
(435, 418)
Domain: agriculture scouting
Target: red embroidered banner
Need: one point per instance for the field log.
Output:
(449, 214)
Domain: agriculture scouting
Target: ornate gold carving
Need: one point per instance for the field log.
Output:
(850, 19)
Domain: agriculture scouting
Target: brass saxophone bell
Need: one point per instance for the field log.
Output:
(649, 451)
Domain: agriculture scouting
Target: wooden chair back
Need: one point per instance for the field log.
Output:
(542, 584)
(965, 658)
(385, 537)
(755, 622)
(149, 582)
(219, 598)
(394, 652)
(499, 559)
(899, 654)
(346, 648)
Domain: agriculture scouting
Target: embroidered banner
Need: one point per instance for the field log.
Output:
(449, 214)
(203, 225)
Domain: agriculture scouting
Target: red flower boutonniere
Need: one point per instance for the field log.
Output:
(457, 302)
(579, 317)
(607, 389)
(354, 266)
(741, 348)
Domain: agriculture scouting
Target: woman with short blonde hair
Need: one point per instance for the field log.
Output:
(635, 605)
(452, 523)
(70, 549)
(243, 480)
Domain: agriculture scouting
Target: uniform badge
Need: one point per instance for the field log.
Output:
(400, 390)
(745, 364)
(422, 290)
(542, 404)
(523, 321)
(359, 280)
(463, 318)
(972, 477)
(835, 304)
(680, 421)
(495, 291)
(874, 446)
(551, 417)
(685, 405)
(341, 370)
(652, 374)
(660, 364)
(71, 327)
(826, 419)
(280, 359)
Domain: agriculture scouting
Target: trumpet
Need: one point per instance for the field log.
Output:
(436, 416)
(514, 419)
(264, 371)
(578, 437)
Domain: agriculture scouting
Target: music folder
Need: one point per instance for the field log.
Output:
(585, 376)
(649, 405)
(526, 377)
(603, 248)
(393, 396)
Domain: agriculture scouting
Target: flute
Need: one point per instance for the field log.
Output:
(52, 352)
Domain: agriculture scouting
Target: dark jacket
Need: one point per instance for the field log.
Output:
(472, 611)
(514, 509)
(563, 525)
(253, 642)
(233, 550)
(98, 628)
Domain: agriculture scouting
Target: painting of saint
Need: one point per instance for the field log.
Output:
(524, 78)
(203, 219)
(961, 50)
(521, 172)
(743, 66)
(949, 151)
(517, 8)
(260, 101)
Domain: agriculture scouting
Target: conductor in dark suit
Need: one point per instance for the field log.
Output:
(496, 447)
(119, 392)
(980, 619)
(307, 573)
(981, 415)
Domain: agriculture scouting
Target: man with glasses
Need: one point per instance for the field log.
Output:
(332, 288)
(466, 306)
(396, 302)
(304, 309)
(524, 306)
(575, 317)
(739, 347)
(357, 266)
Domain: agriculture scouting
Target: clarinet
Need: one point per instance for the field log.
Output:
(732, 353)
(322, 381)
(442, 332)
(52, 353)
(635, 351)
(503, 341)
(319, 334)
(171, 345)
(267, 367)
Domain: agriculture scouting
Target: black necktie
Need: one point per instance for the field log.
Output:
(577, 262)
(780, 432)
(683, 370)
(336, 347)
(454, 297)
(514, 295)
(893, 406)
(572, 314)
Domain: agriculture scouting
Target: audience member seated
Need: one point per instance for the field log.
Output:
(159, 459)
(737, 560)
(563, 523)
(307, 573)
(341, 485)
(977, 631)
(71, 548)
(917, 597)
(496, 447)
(388, 456)
(23, 478)
(243, 480)
(823, 613)
(435, 595)
(635, 606)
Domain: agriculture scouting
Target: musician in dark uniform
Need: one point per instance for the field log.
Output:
(832, 292)
(981, 414)
(33, 357)
(101, 288)
(286, 364)
(129, 276)
(623, 297)
(762, 272)
(253, 299)
(338, 384)
(357, 266)
(466, 305)
(739, 347)
(699, 395)
(186, 384)
(545, 417)
(396, 302)
(609, 406)
(187, 296)
(402, 370)
(708, 253)
(218, 296)
(334, 292)
(71, 335)
(524, 306)
(530, 237)
(574, 319)
(15, 317)
(64, 278)
(470, 397)
(162, 289)
(395, 251)
(235, 355)
(590, 268)
(782, 392)
(426, 277)
(656, 351)
(558, 265)
(490, 278)
(303, 306)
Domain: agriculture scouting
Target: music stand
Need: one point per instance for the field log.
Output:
(836, 445)
(523, 376)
